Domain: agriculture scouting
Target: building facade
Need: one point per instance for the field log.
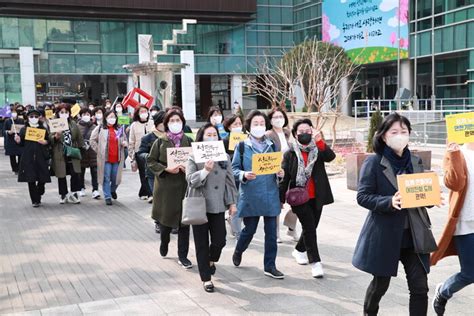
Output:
(79, 49)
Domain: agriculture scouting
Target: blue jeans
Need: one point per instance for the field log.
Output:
(465, 247)
(151, 183)
(250, 227)
(110, 179)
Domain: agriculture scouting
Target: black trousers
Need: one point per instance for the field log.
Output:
(36, 190)
(417, 280)
(144, 186)
(95, 185)
(183, 239)
(15, 162)
(75, 181)
(205, 252)
(309, 216)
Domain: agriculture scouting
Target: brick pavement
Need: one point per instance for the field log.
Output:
(93, 259)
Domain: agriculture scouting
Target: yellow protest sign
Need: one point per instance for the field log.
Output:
(267, 163)
(460, 127)
(236, 138)
(49, 114)
(35, 134)
(76, 108)
(419, 189)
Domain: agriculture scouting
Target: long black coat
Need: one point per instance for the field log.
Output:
(89, 156)
(11, 147)
(378, 248)
(34, 161)
(323, 188)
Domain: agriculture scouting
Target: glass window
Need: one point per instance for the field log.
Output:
(275, 15)
(112, 37)
(88, 64)
(470, 39)
(63, 48)
(262, 15)
(207, 38)
(59, 31)
(232, 64)
(207, 64)
(424, 43)
(287, 39)
(275, 39)
(88, 48)
(9, 32)
(113, 64)
(40, 35)
(133, 59)
(11, 65)
(61, 63)
(286, 16)
(86, 31)
(460, 36)
(25, 30)
(251, 38)
(132, 37)
(448, 39)
(238, 41)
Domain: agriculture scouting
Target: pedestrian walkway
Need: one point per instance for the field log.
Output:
(92, 258)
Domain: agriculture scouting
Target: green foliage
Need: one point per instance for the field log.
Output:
(375, 122)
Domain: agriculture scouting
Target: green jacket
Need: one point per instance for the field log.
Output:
(59, 159)
(169, 189)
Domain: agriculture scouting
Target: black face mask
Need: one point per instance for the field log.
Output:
(304, 139)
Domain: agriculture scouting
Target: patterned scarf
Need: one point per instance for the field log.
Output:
(67, 138)
(304, 173)
(175, 138)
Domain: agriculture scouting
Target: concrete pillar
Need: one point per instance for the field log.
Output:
(236, 90)
(27, 74)
(188, 92)
(346, 106)
(406, 75)
(145, 54)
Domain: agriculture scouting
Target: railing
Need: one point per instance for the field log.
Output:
(428, 125)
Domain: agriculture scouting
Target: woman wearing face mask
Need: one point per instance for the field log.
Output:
(304, 167)
(62, 164)
(33, 167)
(215, 118)
(108, 140)
(11, 128)
(89, 156)
(170, 186)
(218, 187)
(458, 234)
(144, 149)
(280, 135)
(98, 115)
(258, 195)
(141, 125)
(391, 234)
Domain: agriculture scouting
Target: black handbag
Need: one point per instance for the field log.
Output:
(423, 239)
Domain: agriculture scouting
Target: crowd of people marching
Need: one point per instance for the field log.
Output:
(96, 141)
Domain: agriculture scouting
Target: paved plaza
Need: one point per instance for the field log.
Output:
(95, 259)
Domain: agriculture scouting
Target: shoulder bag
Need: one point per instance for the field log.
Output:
(194, 207)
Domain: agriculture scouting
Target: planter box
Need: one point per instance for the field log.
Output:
(354, 164)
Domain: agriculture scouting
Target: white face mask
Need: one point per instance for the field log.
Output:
(153, 113)
(64, 115)
(236, 129)
(210, 139)
(98, 117)
(175, 128)
(398, 142)
(216, 119)
(86, 118)
(91, 108)
(143, 116)
(111, 120)
(278, 123)
(118, 109)
(14, 115)
(33, 121)
(258, 131)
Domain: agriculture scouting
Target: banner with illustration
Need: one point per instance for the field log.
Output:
(367, 29)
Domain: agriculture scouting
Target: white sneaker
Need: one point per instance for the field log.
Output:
(317, 270)
(62, 201)
(279, 240)
(71, 198)
(144, 198)
(95, 194)
(82, 193)
(150, 199)
(300, 257)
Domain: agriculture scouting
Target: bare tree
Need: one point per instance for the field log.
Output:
(319, 69)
